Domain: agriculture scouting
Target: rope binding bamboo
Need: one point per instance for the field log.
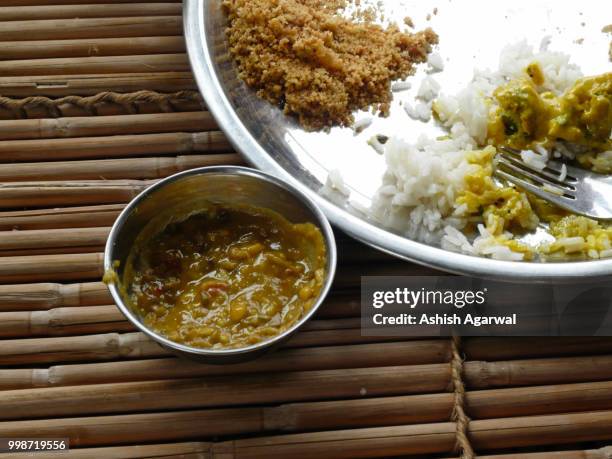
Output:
(55, 108)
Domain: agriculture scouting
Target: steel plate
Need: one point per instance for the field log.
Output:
(472, 34)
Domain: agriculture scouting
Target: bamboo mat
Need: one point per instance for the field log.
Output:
(96, 103)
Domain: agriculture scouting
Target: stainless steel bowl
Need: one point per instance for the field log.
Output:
(190, 191)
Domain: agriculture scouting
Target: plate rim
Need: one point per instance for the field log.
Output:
(367, 233)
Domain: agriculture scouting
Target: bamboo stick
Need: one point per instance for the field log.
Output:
(336, 338)
(79, 2)
(508, 348)
(142, 168)
(47, 49)
(139, 428)
(113, 169)
(531, 372)
(58, 29)
(46, 194)
(395, 441)
(96, 64)
(59, 238)
(89, 85)
(50, 251)
(31, 13)
(358, 443)
(147, 427)
(51, 267)
(310, 416)
(602, 453)
(202, 450)
(78, 348)
(132, 345)
(316, 358)
(94, 126)
(112, 346)
(67, 217)
(31, 297)
(224, 391)
(490, 404)
(504, 348)
(421, 409)
(63, 322)
(113, 146)
(424, 439)
(478, 375)
(178, 451)
(103, 319)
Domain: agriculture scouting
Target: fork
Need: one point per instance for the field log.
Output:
(580, 191)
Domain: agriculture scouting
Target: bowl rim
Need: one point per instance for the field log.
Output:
(393, 244)
(321, 221)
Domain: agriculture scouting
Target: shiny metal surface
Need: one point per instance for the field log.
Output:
(190, 191)
(472, 34)
(582, 192)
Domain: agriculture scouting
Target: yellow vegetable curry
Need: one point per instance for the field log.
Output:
(227, 277)
(526, 116)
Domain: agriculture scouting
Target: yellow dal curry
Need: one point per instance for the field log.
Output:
(227, 277)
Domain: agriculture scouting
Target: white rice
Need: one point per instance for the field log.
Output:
(424, 177)
(335, 190)
(410, 110)
(423, 111)
(605, 253)
(455, 241)
(420, 112)
(376, 145)
(565, 151)
(362, 123)
(429, 89)
(486, 244)
(545, 43)
(536, 159)
(572, 244)
(435, 62)
(399, 86)
(421, 185)
(336, 182)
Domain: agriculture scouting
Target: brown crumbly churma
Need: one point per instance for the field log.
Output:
(317, 65)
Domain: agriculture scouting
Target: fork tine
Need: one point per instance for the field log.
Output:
(524, 172)
(572, 172)
(551, 164)
(540, 192)
(532, 172)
